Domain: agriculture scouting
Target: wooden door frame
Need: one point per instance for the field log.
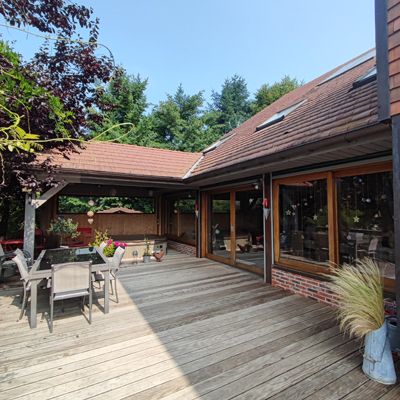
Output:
(205, 220)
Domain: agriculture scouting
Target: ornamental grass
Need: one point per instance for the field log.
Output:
(360, 291)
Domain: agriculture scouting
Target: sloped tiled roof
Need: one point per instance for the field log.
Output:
(124, 159)
(331, 108)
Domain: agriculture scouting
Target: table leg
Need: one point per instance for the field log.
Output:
(106, 292)
(33, 317)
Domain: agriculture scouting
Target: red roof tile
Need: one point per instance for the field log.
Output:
(125, 159)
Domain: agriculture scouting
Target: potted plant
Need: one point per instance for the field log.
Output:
(99, 238)
(361, 313)
(111, 246)
(64, 228)
(146, 253)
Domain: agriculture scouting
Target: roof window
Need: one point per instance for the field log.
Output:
(279, 116)
(350, 65)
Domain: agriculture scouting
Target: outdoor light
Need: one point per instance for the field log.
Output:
(90, 220)
(91, 203)
(90, 213)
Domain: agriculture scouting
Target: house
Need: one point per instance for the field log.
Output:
(308, 183)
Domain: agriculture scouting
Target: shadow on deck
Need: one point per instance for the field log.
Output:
(185, 328)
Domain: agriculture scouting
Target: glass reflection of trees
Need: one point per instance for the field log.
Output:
(304, 221)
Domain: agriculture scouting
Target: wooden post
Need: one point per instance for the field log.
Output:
(29, 224)
(267, 193)
(396, 202)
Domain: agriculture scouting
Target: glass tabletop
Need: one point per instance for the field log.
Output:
(59, 256)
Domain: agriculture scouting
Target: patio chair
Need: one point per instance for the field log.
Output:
(5, 261)
(102, 246)
(115, 263)
(68, 281)
(24, 272)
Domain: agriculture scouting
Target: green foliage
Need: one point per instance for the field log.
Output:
(267, 94)
(231, 106)
(19, 94)
(177, 121)
(99, 238)
(79, 204)
(122, 101)
(147, 247)
(109, 250)
(64, 228)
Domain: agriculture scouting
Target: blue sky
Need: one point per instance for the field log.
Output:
(200, 43)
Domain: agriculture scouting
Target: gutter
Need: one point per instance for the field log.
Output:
(266, 163)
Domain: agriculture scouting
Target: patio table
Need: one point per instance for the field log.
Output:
(42, 270)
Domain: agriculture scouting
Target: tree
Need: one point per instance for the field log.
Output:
(178, 122)
(122, 102)
(31, 93)
(69, 66)
(231, 106)
(267, 94)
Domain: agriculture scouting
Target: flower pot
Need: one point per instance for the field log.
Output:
(146, 259)
(378, 361)
(393, 333)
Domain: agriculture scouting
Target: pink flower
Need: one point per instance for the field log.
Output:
(116, 243)
(109, 241)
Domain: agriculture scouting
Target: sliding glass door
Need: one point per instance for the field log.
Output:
(249, 227)
(235, 227)
(219, 225)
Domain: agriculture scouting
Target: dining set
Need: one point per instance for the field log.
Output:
(66, 273)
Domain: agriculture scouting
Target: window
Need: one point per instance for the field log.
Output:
(370, 76)
(350, 65)
(105, 205)
(279, 116)
(335, 217)
(365, 204)
(303, 221)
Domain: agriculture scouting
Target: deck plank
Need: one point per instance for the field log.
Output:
(184, 328)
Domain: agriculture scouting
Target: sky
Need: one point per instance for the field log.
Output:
(200, 43)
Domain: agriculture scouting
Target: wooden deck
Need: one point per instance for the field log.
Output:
(185, 328)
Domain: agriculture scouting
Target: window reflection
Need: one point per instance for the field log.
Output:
(303, 221)
(365, 204)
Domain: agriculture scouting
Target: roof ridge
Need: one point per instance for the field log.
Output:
(139, 146)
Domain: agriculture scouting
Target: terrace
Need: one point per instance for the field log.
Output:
(185, 328)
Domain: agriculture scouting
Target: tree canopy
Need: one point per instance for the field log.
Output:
(267, 94)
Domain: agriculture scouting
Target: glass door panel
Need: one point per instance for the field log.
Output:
(219, 231)
(365, 204)
(249, 229)
(303, 221)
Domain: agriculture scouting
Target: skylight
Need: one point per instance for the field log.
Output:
(213, 146)
(369, 76)
(279, 116)
(350, 65)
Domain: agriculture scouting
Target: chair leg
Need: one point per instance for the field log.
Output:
(90, 307)
(111, 288)
(116, 290)
(23, 304)
(51, 313)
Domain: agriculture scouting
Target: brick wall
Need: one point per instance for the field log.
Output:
(394, 55)
(304, 286)
(182, 248)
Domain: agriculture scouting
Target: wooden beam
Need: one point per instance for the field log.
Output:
(396, 201)
(29, 224)
(268, 241)
(48, 195)
(382, 59)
